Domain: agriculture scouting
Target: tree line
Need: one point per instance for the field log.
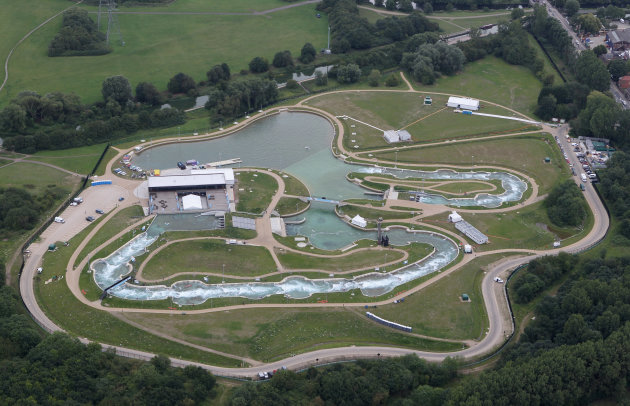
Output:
(350, 31)
(78, 36)
(59, 369)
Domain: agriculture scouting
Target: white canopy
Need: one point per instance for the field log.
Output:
(192, 202)
(359, 221)
(454, 217)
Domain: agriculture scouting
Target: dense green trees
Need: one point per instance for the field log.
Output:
(148, 93)
(117, 88)
(588, 23)
(282, 59)
(360, 383)
(181, 83)
(308, 53)
(540, 274)
(259, 65)
(32, 122)
(241, 97)
(565, 205)
(218, 73)
(78, 36)
(618, 68)
(61, 370)
(430, 60)
(348, 73)
(615, 186)
(571, 7)
(591, 71)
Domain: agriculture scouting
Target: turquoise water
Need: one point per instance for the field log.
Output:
(299, 144)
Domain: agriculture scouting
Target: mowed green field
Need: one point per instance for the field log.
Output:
(159, 46)
(209, 256)
(213, 6)
(404, 110)
(437, 310)
(19, 17)
(524, 153)
(493, 80)
(268, 334)
(35, 178)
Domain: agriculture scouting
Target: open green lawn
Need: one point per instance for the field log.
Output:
(209, 256)
(451, 25)
(403, 110)
(80, 160)
(355, 260)
(525, 153)
(83, 321)
(289, 205)
(35, 178)
(269, 334)
(257, 191)
(437, 309)
(159, 46)
(493, 80)
(214, 6)
(467, 187)
(17, 19)
(292, 185)
(372, 214)
(116, 224)
(527, 227)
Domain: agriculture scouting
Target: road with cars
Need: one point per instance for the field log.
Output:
(579, 46)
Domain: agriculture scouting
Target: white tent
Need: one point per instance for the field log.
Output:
(191, 202)
(391, 136)
(454, 217)
(468, 249)
(463, 103)
(359, 221)
(403, 135)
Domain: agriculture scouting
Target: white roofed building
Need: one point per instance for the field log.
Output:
(463, 103)
(359, 221)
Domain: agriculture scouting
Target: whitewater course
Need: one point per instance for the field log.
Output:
(298, 144)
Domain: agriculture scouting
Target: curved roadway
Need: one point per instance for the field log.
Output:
(500, 325)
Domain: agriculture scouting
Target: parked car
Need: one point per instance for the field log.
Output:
(89, 218)
(99, 211)
(181, 165)
(498, 280)
(120, 199)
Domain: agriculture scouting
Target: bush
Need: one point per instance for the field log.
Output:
(258, 65)
(350, 73)
(565, 205)
(374, 77)
(392, 80)
(292, 84)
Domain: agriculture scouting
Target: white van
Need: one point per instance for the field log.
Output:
(59, 220)
(583, 176)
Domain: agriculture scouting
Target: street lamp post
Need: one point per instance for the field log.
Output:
(396, 164)
(223, 274)
(472, 162)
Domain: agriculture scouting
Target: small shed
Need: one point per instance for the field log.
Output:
(359, 221)
(624, 82)
(454, 217)
(52, 247)
(403, 135)
(464, 103)
(547, 159)
(391, 136)
(465, 297)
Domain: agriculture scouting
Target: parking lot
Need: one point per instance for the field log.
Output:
(103, 197)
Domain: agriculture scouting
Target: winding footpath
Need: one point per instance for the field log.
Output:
(500, 322)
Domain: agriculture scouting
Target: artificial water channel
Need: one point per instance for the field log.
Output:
(299, 144)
